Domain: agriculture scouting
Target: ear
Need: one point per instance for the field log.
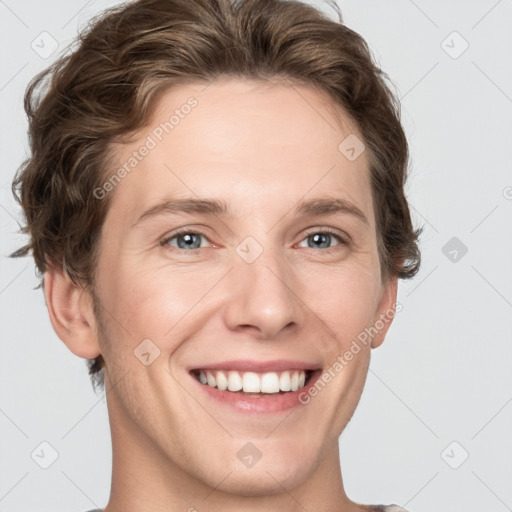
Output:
(71, 312)
(385, 311)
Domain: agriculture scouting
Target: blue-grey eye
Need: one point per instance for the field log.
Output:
(188, 240)
(322, 240)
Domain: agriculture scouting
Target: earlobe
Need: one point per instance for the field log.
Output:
(385, 312)
(71, 313)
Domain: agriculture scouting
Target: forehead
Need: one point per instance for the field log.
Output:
(249, 143)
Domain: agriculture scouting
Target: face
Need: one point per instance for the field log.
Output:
(242, 241)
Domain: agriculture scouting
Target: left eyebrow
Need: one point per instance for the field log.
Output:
(329, 206)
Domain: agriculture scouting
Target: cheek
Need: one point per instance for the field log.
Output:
(344, 299)
(155, 303)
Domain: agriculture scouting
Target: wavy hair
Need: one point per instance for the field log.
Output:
(105, 86)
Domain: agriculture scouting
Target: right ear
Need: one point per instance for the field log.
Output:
(71, 312)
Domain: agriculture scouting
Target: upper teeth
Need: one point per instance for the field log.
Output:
(251, 382)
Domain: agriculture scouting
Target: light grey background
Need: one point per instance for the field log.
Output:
(443, 374)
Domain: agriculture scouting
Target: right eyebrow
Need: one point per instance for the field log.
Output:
(205, 206)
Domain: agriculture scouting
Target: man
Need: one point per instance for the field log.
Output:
(215, 200)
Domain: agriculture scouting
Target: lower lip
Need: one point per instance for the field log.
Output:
(263, 404)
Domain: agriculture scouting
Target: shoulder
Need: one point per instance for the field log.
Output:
(383, 508)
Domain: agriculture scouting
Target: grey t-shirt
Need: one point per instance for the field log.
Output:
(377, 508)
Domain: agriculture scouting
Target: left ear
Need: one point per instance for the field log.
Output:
(385, 311)
(71, 312)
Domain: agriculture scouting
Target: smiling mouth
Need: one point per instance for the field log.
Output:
(253, 383)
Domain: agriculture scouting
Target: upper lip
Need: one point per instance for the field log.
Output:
(246, 365)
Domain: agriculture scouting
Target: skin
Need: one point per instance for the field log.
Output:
(262, 148)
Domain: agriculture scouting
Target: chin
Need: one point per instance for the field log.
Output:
(266, 480)
(280, 467)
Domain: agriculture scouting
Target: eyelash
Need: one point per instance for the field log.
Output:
(342, 241)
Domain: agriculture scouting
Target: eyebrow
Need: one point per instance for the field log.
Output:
(312, 207)
(330, 206)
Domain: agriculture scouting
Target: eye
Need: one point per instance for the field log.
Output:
(186, 240)
(322, 239)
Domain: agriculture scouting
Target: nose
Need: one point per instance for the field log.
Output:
(262, 297)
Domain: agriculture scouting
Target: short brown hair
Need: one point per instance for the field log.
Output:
(104, 89)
